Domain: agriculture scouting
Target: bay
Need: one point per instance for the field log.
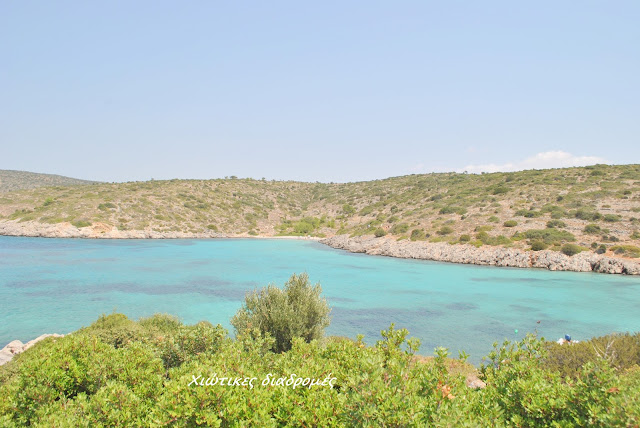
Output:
(60, 285)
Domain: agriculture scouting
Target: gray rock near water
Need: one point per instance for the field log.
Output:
(495, 256)
(96, 231)
(440, 251)
(16, 347)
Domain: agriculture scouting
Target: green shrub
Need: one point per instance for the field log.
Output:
(106, 206)
(453, 209)
(592, 229)
(380, 232)
(80, 381)
(116, 330)
(635, 235)
(188, 342)
(348, 209)
(622, 351)
(549, 236)
(417, 234)
(366, 211)
(493, 219)
(465, 238)
(81, 223)
(445, 230)
(627, 250)
(586, 214)
(510, 223)
(611, 218)
(552, 224)
(399, 228)
(538, 246)
(295, 311)
(528, 213)
(571, 249)
(500, 190)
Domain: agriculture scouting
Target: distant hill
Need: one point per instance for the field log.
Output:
(20, 180)
(595, 207)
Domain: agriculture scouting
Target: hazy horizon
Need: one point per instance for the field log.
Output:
(303, 181)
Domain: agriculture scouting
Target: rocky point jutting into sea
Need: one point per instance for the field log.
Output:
(586, 261)
(485, 255)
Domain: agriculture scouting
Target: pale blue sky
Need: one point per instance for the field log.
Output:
(326, 91)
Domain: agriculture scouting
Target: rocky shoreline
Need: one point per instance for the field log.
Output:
(440, 251)
(16, 347)
(493, 256)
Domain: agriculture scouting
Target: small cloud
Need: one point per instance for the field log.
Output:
(544, 160)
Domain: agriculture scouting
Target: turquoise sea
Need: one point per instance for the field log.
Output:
(60, 285)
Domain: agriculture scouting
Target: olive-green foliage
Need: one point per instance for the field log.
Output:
(612, 218)
(520, 385)
(445, 230)
(465, 238)
(510, 223)
(81, 223)
(529, 213)
(487, 239)
(571, 249)
(60, 376)
(417, 234)
(380, 232)
(399, 228)
(592, 229)
(80, 381)
(453, 209)
(538, 246)
(549, 236)
(622, 351)
(116, 330)
(297, 310)
(189, 341)
(551, 224)
(627, 250)
(587, 214)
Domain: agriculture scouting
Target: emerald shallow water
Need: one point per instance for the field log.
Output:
(60, 285)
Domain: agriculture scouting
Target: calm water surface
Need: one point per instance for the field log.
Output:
(60, 285)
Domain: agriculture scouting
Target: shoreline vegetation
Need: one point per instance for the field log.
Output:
(157, 371)
(584, 219)
(381, 246)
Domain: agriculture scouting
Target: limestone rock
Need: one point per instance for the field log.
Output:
(474, 382)
(495, 256)
(16, 347)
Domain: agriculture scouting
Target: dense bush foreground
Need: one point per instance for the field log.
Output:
(119, 372)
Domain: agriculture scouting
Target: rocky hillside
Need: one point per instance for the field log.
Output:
(19, 180)
(595, 208)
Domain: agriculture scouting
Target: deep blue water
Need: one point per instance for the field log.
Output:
(60, 285)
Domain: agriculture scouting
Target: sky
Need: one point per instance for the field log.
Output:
(330, 91)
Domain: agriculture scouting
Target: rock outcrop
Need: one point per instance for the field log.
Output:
(16, 347)
(439, 251)
(97, 230)
(485, 255)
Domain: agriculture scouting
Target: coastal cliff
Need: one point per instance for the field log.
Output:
(485, 255)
